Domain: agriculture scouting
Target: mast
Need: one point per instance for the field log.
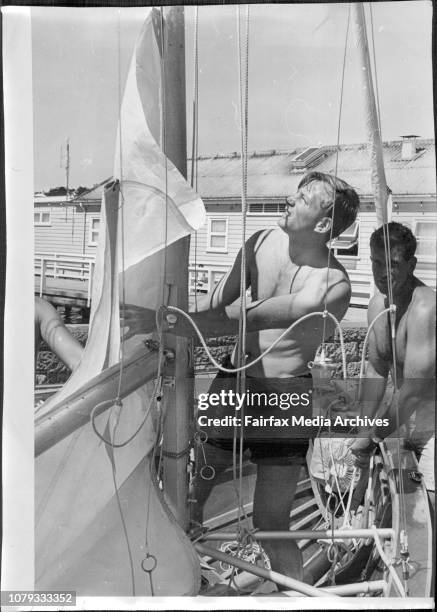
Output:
(178, 395)
(379, 183)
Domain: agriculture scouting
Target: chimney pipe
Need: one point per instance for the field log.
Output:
(408, 146)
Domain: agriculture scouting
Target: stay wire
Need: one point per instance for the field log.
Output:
(121, 354)
(392, 311)
(123, 522)
(195, 135)
(243, 65)
(340, 111)
(325, 306)
(122, 210)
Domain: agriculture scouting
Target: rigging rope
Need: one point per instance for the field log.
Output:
(335, 172)
(325, 308)
(392, 307)
(269, 348)
(242, 323)
(195, 135)
(123, 300)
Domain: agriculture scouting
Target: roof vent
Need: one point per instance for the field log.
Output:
(409, 150)
(308, 157)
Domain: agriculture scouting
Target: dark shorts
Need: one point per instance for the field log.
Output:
(272, 451)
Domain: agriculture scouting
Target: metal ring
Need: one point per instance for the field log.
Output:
(200, 437)
(149, 563)
(206, 468)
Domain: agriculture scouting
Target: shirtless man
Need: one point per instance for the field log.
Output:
(415, 347)
(49, 327)
(287, 274)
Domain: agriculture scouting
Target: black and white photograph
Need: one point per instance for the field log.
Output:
(219, 328)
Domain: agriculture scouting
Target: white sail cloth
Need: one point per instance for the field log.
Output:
(78, 531)
(156, 207)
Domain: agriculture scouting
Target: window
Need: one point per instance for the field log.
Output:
(268, 208)
(198, 281)
(346, 245)
(94, 231)
(216, 277)
(217, 235)
(42, 216)
(307, 158)
(425, 232)
(205, 279)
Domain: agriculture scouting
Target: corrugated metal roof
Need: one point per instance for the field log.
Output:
(93, 194)
(271, 173)
(49, 200)
(88, 197)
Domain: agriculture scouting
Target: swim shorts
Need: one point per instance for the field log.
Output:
(266, 449)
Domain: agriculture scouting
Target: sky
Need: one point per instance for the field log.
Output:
(81, 56)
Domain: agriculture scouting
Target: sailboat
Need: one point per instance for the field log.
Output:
(105, 523)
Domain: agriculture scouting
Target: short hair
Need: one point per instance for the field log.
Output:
(346, 204)
(398, 236)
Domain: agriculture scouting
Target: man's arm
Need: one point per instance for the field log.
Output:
(378, 368)
(57, 336)
(419, 364)
(375, 381)
(272, 313)
(228, 288)
(210, 314)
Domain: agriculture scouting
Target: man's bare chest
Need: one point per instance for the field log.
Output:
(384, 339)
(276, 277)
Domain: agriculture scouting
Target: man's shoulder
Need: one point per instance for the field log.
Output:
(376, 305)
(423, 302)
(338, 276)
(266, 239)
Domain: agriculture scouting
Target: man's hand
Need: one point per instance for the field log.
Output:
(362, 449)
(136, 320)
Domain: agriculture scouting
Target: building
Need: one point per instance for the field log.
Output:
(272, 175)
(72, 227)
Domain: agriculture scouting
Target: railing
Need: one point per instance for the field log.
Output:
(205, 277)
(362, 286)
(66, 266)
(81, 267)
(361, 281)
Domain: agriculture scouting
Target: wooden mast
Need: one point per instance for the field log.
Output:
(379, 184)
(178, 395)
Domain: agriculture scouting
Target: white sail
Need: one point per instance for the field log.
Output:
(80, 542)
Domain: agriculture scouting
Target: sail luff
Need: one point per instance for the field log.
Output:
(378, 179)
(97, 479)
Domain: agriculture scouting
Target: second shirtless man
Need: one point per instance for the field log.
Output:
(414, 349)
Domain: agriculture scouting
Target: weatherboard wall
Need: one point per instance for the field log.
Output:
(69, 230)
